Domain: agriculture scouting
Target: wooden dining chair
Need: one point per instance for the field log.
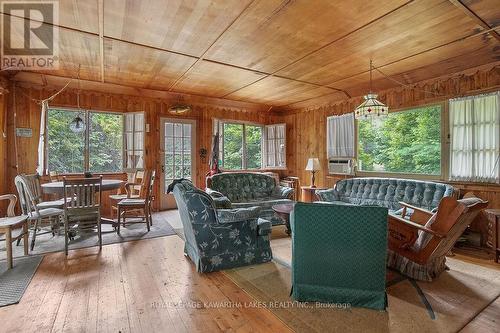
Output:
(136, 182)
(84, 209)
(39, 216)
(34, 184)
(139, 205)
(12, 222)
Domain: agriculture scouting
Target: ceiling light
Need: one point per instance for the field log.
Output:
(371, 106)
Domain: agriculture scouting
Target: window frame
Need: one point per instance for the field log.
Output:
(265, 165)
(444, 142)
(86, 150)
(220, 123)
(124, 132)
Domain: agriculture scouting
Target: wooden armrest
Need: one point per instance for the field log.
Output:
(416, 226)
(425, 211)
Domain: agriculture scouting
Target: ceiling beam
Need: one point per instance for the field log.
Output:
(475, 18)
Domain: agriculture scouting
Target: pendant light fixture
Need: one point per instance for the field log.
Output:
(77, 125)
(179, 107)
(371, 107)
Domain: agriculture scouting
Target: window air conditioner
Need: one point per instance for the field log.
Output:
(340, 166)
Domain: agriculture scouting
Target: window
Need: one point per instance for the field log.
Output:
(178, 138)
(475, 138)
(134, 141)
(248, 146)
(403, 142)
(241, 146)
(275, 144)
(97, 149)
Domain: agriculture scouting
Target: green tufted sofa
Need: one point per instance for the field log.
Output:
(248, 189)
(386, 192)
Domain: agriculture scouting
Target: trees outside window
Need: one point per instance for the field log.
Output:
(97, 149)
(403, 142)
(242, 146)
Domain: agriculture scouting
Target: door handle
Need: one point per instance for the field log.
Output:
(162, 169)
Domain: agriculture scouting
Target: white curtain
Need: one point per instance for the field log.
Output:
(41, 140)
(340, 136)
(475, 138)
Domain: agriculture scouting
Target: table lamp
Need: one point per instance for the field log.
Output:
(313, 166)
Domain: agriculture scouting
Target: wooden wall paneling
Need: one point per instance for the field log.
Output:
(28, 115)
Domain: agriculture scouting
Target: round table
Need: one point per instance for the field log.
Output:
(58, 188)
(107, 185)
(283, 211)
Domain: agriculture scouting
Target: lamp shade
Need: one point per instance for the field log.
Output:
(313, 164)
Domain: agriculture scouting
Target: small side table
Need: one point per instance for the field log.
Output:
(493, 240)
(284, 211)
(309, 193)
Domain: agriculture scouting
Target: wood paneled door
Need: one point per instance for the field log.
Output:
(177, 155)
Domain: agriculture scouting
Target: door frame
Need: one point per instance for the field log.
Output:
(166, 200)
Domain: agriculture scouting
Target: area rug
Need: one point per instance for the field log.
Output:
(444, 305)
(13, 282)
(47, 243)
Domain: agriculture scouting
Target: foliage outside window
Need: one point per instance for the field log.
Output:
(403, 142)
(241, 146)
(97, 149)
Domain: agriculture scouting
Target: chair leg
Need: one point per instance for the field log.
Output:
(99, 231)
(25, 238)
(66, 235)
(146, 216)
(34, 234)
(8, 245)
(150, 214)
(119, 220)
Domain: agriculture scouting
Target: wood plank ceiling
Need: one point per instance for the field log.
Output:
(275, 52)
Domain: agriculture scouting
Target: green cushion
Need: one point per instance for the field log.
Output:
(339, 254)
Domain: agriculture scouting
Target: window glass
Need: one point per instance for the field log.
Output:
(403, 142)
(65, 149)
(105, 142)
(233, 147)
(253, 140)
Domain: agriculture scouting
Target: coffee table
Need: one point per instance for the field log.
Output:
(283, 211)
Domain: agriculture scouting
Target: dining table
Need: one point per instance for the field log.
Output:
(58, 187)
(107, 185)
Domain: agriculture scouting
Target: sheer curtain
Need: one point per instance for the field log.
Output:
(340, 136)
(475, 138)
(41, 140)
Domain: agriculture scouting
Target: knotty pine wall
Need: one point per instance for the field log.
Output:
(28, 115)
(306, 128)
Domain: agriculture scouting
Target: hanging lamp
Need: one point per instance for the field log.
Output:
(371, 106)
(77, 125)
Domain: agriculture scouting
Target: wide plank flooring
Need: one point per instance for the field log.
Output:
(140, 286)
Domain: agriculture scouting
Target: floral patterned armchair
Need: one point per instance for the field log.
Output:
(220, 239)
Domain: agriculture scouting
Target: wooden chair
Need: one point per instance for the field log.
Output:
(136, 182)
(54, 176)
(142, 204)
(85, 207)
(12, 222)
(37, 214)
(418, 246)
(34, 184)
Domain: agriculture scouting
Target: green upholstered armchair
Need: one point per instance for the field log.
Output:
(339, 254)
(217, 239)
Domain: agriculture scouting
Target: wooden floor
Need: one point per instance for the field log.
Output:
(149, 286)
(140, 286)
